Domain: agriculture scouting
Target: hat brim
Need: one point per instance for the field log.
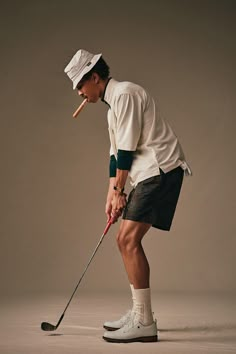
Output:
(93, 61)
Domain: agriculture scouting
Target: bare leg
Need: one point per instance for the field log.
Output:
(129, 240)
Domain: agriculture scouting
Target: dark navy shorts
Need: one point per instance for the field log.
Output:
(154, 200)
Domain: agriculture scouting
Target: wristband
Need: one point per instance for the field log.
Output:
(118, 189)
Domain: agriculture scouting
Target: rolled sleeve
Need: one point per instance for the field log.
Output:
(129, 118)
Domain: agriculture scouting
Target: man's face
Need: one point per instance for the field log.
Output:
(89, 89)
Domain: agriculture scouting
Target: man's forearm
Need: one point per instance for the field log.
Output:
(120, 179)
(112, 182)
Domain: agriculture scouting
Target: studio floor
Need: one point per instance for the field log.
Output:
(187, 324)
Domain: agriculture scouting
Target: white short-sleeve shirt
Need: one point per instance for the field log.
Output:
(135, 124)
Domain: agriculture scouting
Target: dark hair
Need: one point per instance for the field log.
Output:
(101, 68)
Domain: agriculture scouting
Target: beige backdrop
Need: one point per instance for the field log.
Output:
(54, 169)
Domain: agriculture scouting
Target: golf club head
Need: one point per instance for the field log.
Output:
(45, 326)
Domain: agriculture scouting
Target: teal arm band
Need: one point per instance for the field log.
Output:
(124, 159)
(112, 166)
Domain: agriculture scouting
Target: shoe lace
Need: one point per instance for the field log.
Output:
(126, 317)
(133, 321)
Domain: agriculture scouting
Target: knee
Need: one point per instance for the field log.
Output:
(127, 243)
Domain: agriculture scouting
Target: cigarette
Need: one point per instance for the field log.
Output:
(79, 109)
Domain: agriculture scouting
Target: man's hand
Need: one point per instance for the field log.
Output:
(108, 209)
(115, 206)
(118, 201)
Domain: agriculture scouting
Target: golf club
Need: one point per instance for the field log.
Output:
(45, 326)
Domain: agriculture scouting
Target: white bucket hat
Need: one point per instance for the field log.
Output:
(81, 63)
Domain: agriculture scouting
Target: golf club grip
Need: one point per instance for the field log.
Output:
(109, 223)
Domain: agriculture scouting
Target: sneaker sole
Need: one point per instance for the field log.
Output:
(131, 340)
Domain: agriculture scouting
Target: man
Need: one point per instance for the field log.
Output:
(145, 148)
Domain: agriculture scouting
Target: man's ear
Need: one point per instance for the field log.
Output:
(96, 78)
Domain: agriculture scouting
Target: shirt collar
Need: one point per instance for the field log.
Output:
(104, 92)
(108, 91)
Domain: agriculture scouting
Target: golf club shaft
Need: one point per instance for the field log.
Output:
(85, 270)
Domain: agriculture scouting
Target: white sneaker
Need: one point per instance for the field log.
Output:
(133, 331)
(115, 325)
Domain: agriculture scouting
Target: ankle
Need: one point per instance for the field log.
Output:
(142, 308)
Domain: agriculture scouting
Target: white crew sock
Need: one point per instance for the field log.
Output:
(142, 306)
(133, 297)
